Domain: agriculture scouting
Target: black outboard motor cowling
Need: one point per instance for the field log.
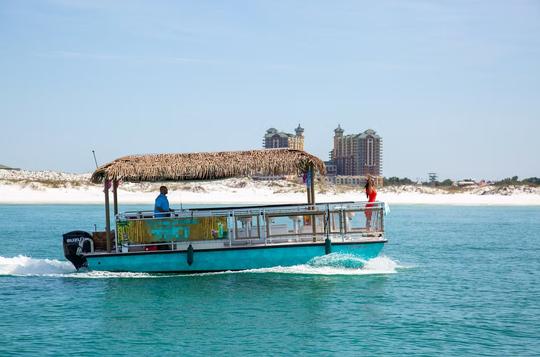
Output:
(76, 243)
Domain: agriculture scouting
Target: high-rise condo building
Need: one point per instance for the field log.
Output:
(357, 154)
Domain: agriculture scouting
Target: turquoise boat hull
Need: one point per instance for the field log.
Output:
(223, 259)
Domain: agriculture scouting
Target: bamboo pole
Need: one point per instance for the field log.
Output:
(107, 216)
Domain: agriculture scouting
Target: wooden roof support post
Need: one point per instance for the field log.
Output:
(308, 195)
(309, 179)
(311, 192)
(309, 185)
(107, 215)
(115, 197)
(312, 184)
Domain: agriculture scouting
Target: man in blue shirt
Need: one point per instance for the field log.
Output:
(161, 208)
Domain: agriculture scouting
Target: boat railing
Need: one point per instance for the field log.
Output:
(230, 226)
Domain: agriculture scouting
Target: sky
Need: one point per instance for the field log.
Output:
(453, 87)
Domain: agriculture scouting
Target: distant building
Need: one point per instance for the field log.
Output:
(356, 156)
(3, 167)
(277, 139)
(354, 180)
(330, 168)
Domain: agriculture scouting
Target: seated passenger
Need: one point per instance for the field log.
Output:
(161, 208)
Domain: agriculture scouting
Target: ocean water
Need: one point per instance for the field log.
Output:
(452, 281)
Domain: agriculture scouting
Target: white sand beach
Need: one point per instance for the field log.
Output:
(48, 187)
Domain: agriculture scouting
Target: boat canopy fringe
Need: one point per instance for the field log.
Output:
(207, 166)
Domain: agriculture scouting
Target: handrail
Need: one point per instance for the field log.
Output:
(246, 210)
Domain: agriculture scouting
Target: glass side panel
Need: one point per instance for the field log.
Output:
(293, 225)
(335, 222)
(247, 227)
(363, 221)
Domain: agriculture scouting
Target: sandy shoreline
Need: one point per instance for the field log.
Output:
(17, 194)
(49, 187)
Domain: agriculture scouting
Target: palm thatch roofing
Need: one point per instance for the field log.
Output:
(207, 166)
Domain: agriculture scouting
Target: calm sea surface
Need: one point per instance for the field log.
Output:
(453, 281)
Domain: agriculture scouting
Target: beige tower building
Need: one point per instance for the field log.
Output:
(277, 139)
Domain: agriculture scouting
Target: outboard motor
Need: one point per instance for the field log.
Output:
(76, 243)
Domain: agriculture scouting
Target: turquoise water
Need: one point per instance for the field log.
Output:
(453, 281)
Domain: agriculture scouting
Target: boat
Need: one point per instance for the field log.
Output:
(231, 238)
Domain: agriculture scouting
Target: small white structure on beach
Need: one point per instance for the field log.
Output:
(466, 183)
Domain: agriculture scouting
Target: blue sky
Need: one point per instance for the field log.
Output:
(451, 86)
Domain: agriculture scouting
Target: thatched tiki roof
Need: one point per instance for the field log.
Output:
(207, 166)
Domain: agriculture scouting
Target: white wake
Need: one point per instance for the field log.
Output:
(332, 264)
(338, 264)
(23, 265)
